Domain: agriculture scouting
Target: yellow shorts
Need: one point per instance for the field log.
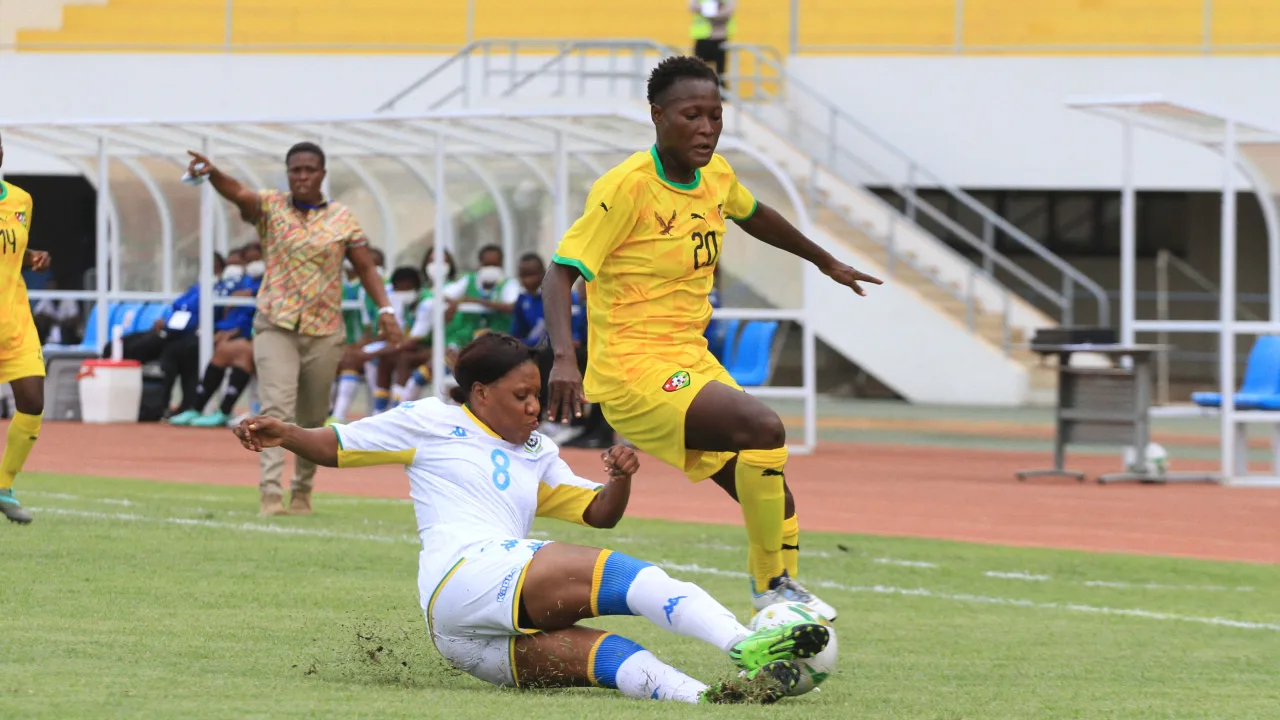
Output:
(650, 414)
(28, 362)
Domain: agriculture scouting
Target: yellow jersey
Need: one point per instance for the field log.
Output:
(648, 248)
(17, 329)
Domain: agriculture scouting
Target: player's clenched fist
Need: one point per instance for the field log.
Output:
(257, 433)
(620, 462)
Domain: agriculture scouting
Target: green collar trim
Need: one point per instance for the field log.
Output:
(662, 174)
(4, 190)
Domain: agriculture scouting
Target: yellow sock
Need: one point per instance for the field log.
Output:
(759, 482)
(23, 431)
(791, 545)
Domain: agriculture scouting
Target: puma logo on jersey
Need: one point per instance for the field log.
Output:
(696, 216)
(606, 207)
(667, 225)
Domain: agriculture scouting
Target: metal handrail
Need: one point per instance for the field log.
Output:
(916, 170)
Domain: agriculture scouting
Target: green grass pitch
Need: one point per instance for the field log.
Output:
(154, 600)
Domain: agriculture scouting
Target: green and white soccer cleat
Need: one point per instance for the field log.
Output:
(217, 419)
(792, 641)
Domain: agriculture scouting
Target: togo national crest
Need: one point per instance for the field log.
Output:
(21, 218)
(677, 381)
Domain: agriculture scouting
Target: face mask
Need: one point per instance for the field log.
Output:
(232, 273)
(256, 269)
(489, 275)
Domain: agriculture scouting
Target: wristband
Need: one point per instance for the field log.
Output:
(388, 310)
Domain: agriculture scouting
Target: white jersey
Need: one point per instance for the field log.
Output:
(468, 485)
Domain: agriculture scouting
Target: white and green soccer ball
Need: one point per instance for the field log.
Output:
(815, 669)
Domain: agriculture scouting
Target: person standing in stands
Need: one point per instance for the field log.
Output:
(713, 26)
(298, 329)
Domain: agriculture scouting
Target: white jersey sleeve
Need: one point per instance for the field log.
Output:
(391, 438)
(562, 494)
(510, 292)
(422, 325)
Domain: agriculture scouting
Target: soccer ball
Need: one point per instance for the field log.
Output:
(814, 669)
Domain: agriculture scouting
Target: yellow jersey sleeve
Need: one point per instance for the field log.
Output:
(739, 204)
(607, 220)
(563, 495)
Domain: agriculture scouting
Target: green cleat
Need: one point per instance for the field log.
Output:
(786, 642)
(218, 419)
(184, 418)
(766, 685)
(12, 509)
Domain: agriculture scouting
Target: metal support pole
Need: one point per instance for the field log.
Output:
(561, 196)
(809, 356)
(1206, 27)
(439, 268)
(227, 25)
(793, 42)
(207, 209)
(1227, 305)
(1162, 338)
(101, 229)
(1128, 237)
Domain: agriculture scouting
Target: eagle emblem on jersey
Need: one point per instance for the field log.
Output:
(677, 381)
(533, 444)
(21, 217)
(667, 225)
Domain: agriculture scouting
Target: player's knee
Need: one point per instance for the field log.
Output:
(763, 432)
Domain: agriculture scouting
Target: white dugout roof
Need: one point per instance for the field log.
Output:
(400, 163)
(1249, 148)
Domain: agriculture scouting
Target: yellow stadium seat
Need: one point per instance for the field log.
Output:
(1246, 22)
(879, 24)
(1067, 24)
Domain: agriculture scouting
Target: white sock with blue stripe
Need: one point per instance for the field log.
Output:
(623, 665)
(626, 586)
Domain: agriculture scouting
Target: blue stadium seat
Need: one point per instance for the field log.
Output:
(752, 352)
(722, 344)
(126, 316)
(1261, 387)
(149, 315)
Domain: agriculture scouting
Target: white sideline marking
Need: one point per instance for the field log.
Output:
(341, 500)
(249, 527)
(1158, 586)
(1011, 602)
(1016, 576)
(678, 567)
(904, 563)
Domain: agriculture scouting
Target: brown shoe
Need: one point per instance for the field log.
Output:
(300, 503)
(272, 505)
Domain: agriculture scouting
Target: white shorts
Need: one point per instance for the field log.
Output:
(472, 613)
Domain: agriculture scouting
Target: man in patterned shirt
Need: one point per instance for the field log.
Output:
(298, 330)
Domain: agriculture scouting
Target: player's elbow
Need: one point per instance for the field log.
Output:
(602, 517)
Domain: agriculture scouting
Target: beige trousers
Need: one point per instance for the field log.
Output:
(295, 375)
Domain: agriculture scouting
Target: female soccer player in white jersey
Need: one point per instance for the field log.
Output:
(505, 608)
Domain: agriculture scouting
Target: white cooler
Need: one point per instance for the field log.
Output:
(110, 391)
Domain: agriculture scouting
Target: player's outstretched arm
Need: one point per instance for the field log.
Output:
(319, 445)
(243, 198)
(610, 503)
(768, 226)
(565, 382)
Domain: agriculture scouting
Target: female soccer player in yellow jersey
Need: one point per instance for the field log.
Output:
(21, 362)
(648, 243)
